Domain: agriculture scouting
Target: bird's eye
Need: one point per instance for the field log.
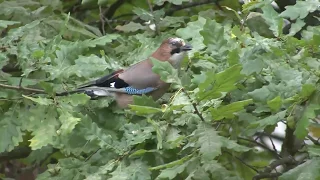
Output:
(174, 43)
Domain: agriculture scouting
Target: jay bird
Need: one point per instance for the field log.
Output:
(139, 78)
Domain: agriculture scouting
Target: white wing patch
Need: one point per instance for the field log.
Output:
(112, 84)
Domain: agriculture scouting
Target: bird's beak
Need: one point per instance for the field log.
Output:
(186, 47)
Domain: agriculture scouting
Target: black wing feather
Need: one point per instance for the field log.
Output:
(108, 80)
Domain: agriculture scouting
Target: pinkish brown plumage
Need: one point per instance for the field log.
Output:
(139, 78)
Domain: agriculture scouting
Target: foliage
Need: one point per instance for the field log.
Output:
(236, 86)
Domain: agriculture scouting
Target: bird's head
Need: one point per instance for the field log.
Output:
(172, 50)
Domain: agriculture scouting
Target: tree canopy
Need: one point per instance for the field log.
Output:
(254, 66)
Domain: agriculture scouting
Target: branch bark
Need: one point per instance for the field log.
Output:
(267, 172)
(20, 88)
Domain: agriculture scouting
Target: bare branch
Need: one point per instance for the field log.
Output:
(266, 175)
(260, 145)
(243, 162)
(316, 142)
(20, 88)
(267, 172)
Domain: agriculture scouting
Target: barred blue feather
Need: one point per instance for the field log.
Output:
(131, 90)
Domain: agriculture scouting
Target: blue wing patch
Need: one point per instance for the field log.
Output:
(131, 90)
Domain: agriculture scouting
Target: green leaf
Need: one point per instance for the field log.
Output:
(44, 133)
(209, 142)
(143, 14)
(170, 21)
(145, 101)
(275, 104)
(233, 57)
(10, 135)
(314, 151)
(257, 23)
(307, 90)
(273, 20)
(228, 111)
(159, 130)
(5, 24)
(192, 31)
(101, 41)
(213, 37)
(215, 84)
(68, 122)
(232, 145)
(105, 169)
(135, 134)
(166, 71)
(39, 155)
(87, 66)
(301, 127)
(76, 99)
(296, 27)
(141, 110)
(300, 10)
(309, 170)
(270, 120)
(136, 170)
(40, 100)
(131, 27)
(171, 173)
(94, 133)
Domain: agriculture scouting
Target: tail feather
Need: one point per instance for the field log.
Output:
(93, 91)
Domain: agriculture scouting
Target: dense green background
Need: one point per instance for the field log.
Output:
(254, 65)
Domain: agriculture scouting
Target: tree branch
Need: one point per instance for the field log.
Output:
(316, 142)
(266, 175)
(267, 172)
(113, 8)
(243, 162)
(260, 145)
(194, 106)
(20, 88)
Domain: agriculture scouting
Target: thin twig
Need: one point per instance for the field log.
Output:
(154, 21)
(194, 106)
(260, 145)
(102, 21)
(267, 172)
(266, 175)
(316, 142)
(89, 157)
(243, 162)
(20, 82)
(21, 88)
(273, 146)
